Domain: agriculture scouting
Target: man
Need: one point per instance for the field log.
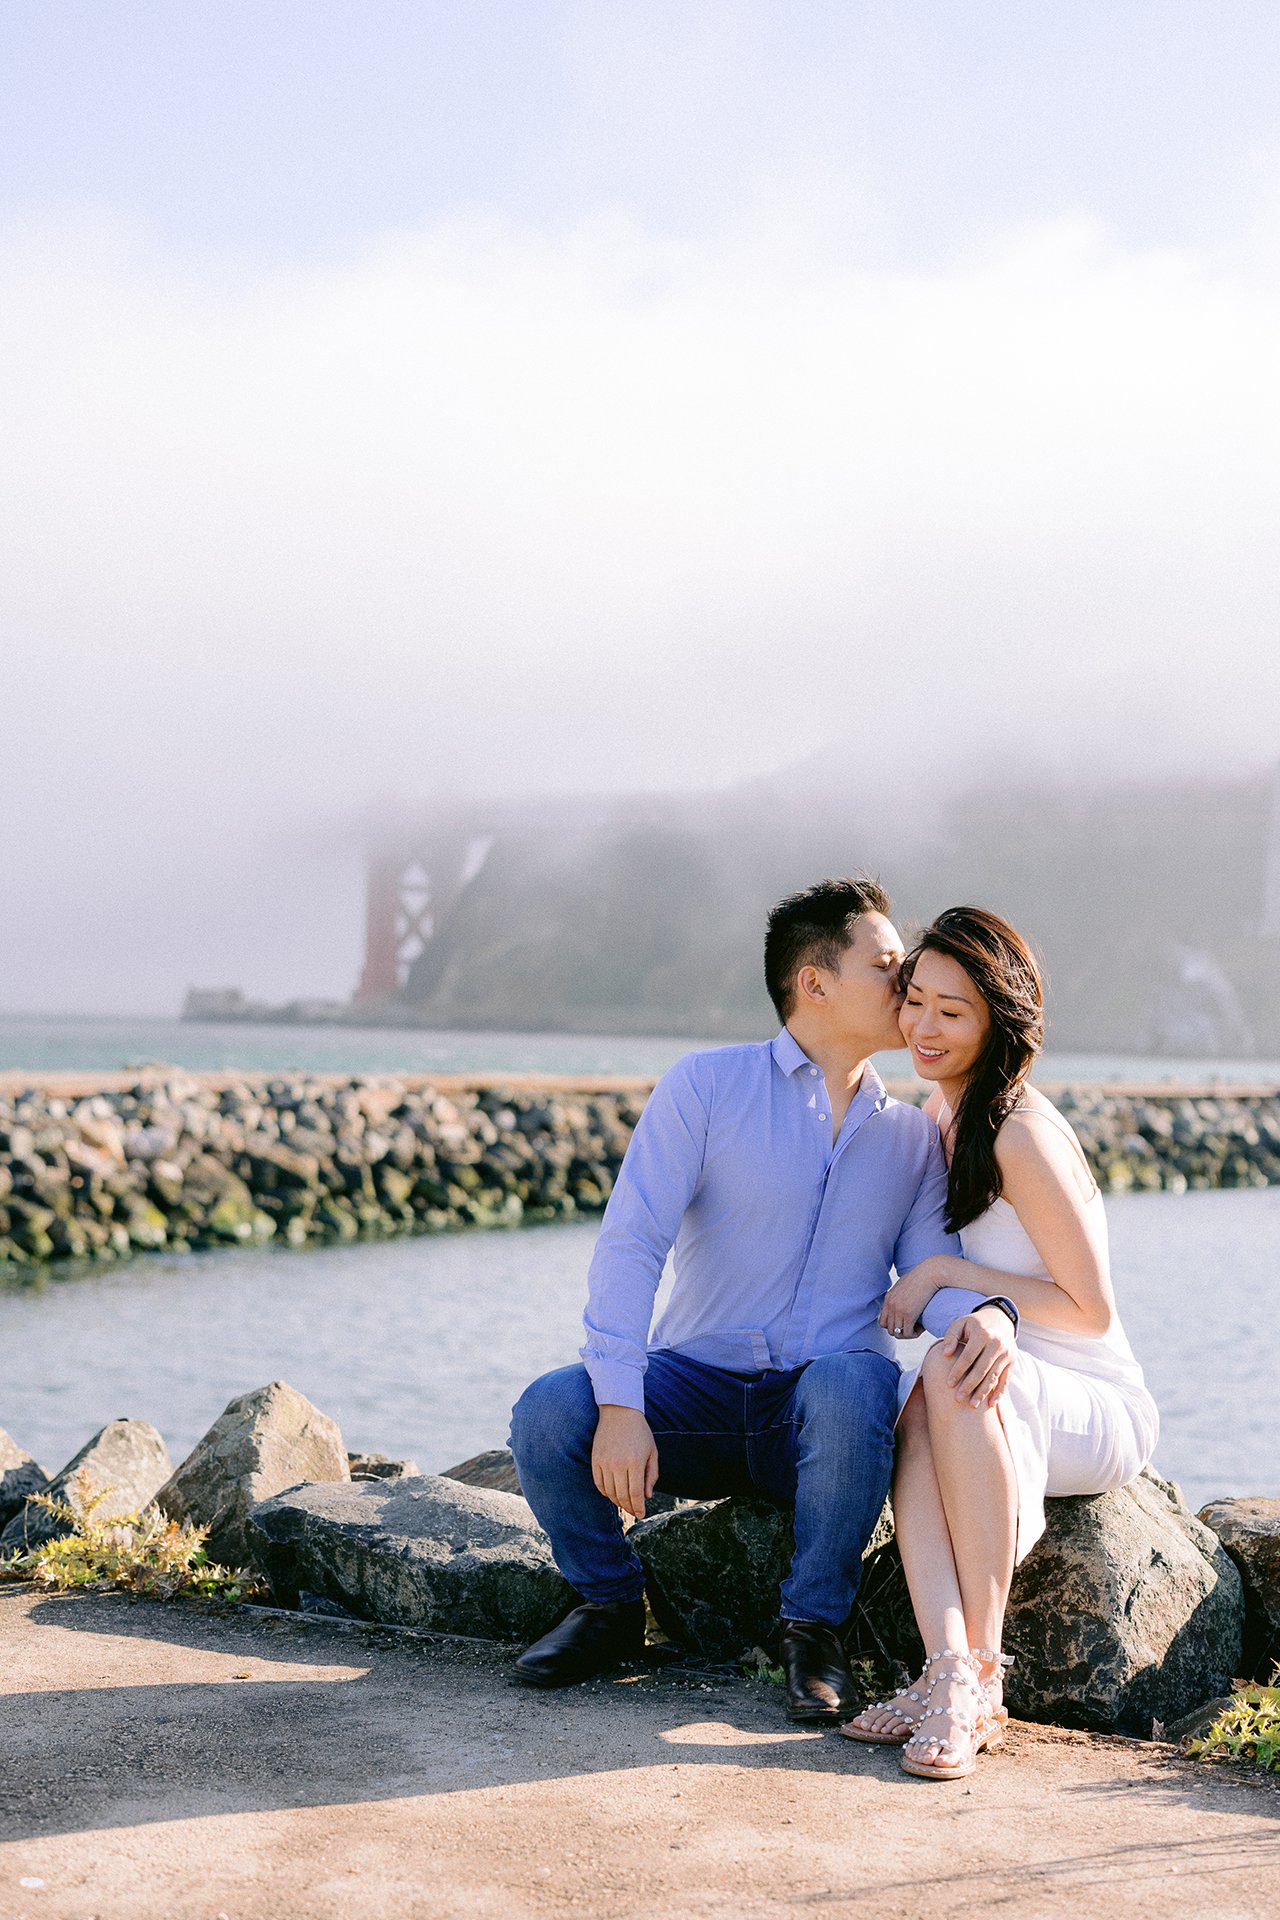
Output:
(790, 1185)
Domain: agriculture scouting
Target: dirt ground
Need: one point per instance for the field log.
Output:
(158, 1763)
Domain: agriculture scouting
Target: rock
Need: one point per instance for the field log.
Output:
(494, 1468)
(127, 1456)
(425, 1552)
(20, 1477)
(379, 1466)
(1249, 1529)
(262, 1443)
(1191, 1726)
(713, 1569)
(316, 1603)
(1128, 1611)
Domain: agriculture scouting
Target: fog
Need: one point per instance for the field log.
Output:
(489, 501)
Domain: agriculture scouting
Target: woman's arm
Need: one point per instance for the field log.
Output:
(1040, 1171)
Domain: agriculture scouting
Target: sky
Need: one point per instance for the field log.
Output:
(402, 399)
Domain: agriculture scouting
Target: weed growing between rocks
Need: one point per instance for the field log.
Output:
(873, 1677)
(130, 1553)
(1247, 1732)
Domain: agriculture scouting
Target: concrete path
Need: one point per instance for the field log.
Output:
(158, 1763)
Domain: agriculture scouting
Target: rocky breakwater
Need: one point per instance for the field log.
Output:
(1175, 1140)
(176, 1160)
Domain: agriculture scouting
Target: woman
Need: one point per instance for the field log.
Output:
(1070, 1415)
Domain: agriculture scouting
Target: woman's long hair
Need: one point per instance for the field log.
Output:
(1003, 969)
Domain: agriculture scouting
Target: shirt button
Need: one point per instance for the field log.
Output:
(822, 1116)
(813, 1070)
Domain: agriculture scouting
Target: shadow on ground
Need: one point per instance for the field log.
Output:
(130, 1712)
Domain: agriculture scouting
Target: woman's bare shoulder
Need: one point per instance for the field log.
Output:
(1036, 1136)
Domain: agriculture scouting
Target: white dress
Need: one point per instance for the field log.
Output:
(1076, 1412)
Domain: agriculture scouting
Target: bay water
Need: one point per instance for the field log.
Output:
(419, 1347)
(43, 1043)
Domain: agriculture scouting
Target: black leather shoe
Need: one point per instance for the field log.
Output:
(819, 1683)
(590, 1640)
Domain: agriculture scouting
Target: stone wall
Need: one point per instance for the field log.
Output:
(176, 1160)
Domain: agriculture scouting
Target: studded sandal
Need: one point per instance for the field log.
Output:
(997, 1714)
(955, 1759)
(899, 1735)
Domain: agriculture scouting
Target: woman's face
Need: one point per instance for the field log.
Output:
(944, 1019)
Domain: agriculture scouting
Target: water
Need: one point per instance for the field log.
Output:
(47, 1043)
(419, 1347)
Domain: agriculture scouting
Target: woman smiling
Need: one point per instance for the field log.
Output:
(1070, 1414)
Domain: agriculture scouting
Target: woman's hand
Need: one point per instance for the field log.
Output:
(982, 1348)
(907, 1299)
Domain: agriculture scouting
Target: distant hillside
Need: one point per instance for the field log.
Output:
(1146, 902)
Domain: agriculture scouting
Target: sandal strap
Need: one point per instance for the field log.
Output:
(971, 1727)
(957, 1673)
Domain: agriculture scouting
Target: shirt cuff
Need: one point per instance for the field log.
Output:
(947, 1305)
(615, 1384)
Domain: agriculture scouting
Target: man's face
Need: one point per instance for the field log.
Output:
(863, 993)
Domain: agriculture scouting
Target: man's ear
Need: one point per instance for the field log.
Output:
(809, 984)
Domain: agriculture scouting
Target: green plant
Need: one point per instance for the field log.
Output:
(757, 1665)
(1246, 1732)
(868, 1674)
(132, 1552)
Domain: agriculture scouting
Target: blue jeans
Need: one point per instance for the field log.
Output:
(819, 1437)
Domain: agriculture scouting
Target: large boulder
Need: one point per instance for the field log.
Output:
(20, 1477)
(127, 1457)
(425, 1552)
(713, 1569)
(1128, 1611)
(262, 1443)
(1249, 1529)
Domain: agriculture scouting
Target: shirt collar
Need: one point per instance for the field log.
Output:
(872, 1088)
(791, 1056)
(788, 1052)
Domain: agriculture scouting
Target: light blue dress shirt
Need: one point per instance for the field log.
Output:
(784, 1242)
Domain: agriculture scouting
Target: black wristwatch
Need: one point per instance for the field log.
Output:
(1005, 1305)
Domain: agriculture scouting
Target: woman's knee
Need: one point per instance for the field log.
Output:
(935, 1385)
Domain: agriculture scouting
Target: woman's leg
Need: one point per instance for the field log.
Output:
(920, 1527)
(923, 1535)
(978, 1493)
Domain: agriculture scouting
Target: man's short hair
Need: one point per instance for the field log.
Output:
(812, 929)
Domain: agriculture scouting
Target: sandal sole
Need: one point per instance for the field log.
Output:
(876, 1739)
(919, 1771)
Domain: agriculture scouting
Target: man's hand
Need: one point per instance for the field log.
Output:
(910, 1294)
(982, 1348)
(624, 1458)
